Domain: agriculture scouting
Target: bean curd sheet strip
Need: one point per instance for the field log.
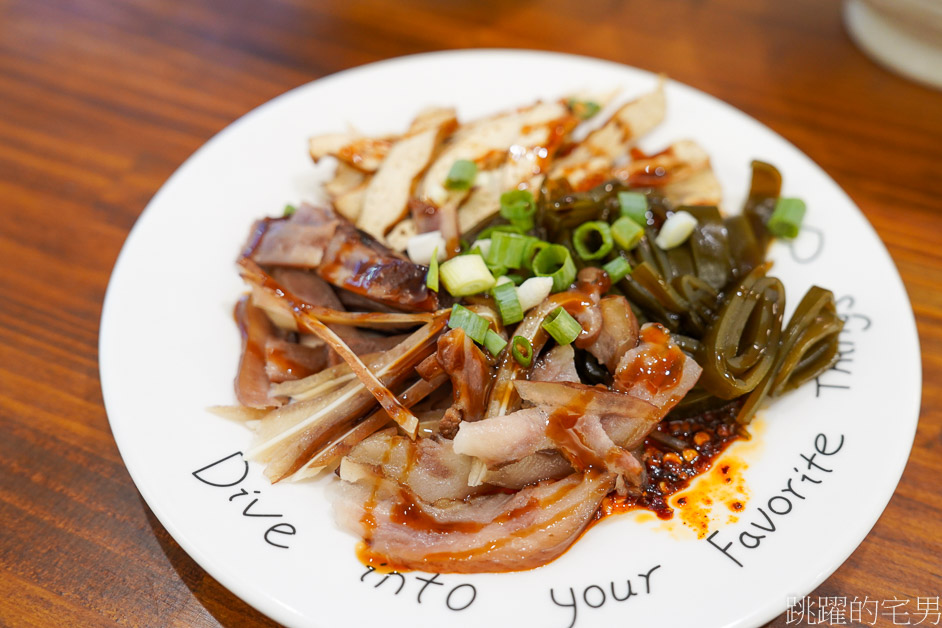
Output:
(309, 321)
(290, 436)
(318, 383)
(340, 446)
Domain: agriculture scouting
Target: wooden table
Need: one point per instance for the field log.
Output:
(101, 100)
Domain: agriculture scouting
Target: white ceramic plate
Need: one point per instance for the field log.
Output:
(169, 350)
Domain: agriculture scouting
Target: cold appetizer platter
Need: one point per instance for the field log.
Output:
(542, 338)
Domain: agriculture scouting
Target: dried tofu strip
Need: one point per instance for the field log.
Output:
(703, 188)
(485, 140)
(484, 201)
(318, 383)
(432, 117)
(510, 149)
(595, 155)
(306, 317)
(340, 446)
(281, 313)
(679, 161)
(346, 190)
(346, 178)
(241, 414)
(398, 238)
(350, 203)
(363, 153)
(386, 198)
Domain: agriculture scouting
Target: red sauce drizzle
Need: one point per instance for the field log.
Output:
(704, 437)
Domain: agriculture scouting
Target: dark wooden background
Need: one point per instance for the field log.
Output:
(101, 100)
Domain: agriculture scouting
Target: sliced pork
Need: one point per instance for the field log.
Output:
(285, 360)
(428, 467)
(557, 365)
(252, 386)
(498, 532)
(505, 438)
(543, 465)
(657, 371)
(344, 256)
(470, 376)
(619, 332)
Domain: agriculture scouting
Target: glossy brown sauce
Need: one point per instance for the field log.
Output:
(654, 173)
(561, 427)
(355, 261)
(408, 512)
(506, 539)
(368, 520)
(250, 333)
(283, 362)
(591, 181)
(361, 150)
(252, 383)
(471, 377)
(658, 366)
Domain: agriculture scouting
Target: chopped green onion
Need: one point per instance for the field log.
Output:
(555, 261)
(466, 275)
(515, 278)
(497, 271)
(785, 221)
(522, 351)
(518, 207)
(505, 294)
(583, 109)
(675, 230)
(494, 343)
(583, 236)
(626, 233)
(289, 210)
(490, 231)
(533, 248)
(431, 279)
(634, 205)
(461, 175)
(562, 326)
(475, 326)
(617, 269)
(507, 249)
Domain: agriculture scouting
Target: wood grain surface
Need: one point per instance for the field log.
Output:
(101, 100)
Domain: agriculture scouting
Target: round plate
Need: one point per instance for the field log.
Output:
(822, 465)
